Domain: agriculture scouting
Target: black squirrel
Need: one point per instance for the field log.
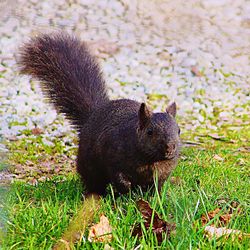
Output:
(120, 141)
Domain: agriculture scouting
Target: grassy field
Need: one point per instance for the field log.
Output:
(214, 173)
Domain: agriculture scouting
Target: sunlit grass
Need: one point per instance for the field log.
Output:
(38, 215)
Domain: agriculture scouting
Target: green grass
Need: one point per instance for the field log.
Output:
(38, 215)
(33, 148)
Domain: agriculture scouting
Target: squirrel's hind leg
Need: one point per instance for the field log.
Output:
(92, 174)
(94, 181)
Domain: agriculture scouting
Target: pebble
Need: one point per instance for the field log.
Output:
(188, 62)
(214, 3)
(3, 149)
(47, 142)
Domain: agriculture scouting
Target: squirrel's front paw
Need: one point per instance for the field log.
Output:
(122, 183)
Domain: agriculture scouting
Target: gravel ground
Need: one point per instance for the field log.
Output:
(193, 52)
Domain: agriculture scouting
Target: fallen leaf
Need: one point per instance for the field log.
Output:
(103, 48)
(108, 247)
(218, 158)
(175, 180)
(212, 231)
(196, 72)
(164, 55)
(151, 218)
(191, 143)
(241, 162)
(217, 232)
(37, 131)
(205, 218)
(33, 182)
(225, 218)
(221, 138)
(101, 232)
(244, 149)
(224, 202)
(235, 204)
(29, 163)
(246, 22)
(221, 202)
(11, 137)
(57, 170)
(217, 137)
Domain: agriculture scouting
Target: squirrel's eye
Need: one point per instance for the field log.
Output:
(150, 131)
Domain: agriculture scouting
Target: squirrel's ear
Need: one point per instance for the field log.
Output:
(171, 109)
(144, 115)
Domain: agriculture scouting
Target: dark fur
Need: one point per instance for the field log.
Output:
(121, 141)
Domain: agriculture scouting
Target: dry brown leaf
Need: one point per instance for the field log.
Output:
(196, 71)
(164, 55)
(176, 180)
(11, 137)
(217, 137)
(244, 149)
(36, 131)
(191, 143)
(220, 138)
(225, 218)
(218, 158)
(235, 204)
(33, 182)
(103, 48)
(159, 226)
(218, 232)
(29, 163)
(57, 169)
(241, 162)
(108, 247)
(205, 218)
(101, 232)
(212, 231)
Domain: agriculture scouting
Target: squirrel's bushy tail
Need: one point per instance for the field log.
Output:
(69, 74)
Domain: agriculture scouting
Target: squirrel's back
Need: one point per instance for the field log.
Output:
(69, 74)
